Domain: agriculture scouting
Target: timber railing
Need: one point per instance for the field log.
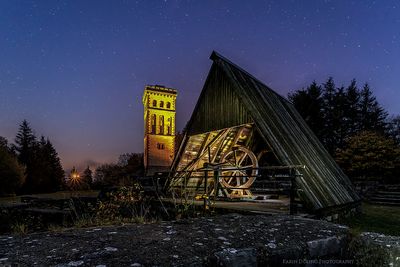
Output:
(282, 179)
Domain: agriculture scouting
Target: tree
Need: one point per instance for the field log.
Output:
(308, 102)
(55, 178)
(394, 128)
(372, 115)
(352, 111)
(131, 164)
(330, 130)
(339, 119)
(87, 177)
(12, 174)
(335, 114)
(370, 155)
(108, 175)
(25, 147)
(44, 172)
(3, 142)
(25, 142)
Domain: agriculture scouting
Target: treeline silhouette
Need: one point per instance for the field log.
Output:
(354, 128)
(32, 165)
(29, 166)
(125, 172)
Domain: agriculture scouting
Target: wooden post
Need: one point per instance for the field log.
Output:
(205, 195)
(216, 181)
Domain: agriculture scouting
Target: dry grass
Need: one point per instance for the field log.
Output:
(56, 195)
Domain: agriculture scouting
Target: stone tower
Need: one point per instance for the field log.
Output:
(159, 128)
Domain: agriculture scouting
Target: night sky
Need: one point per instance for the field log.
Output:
(76, 70)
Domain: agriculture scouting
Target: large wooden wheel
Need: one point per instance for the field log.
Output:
(240, 166)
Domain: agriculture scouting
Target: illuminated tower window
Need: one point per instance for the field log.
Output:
(161, 124)
(161, 104)
(160, 146)
(168, 105)
(153, 124)
(169, 126)
(154, 103)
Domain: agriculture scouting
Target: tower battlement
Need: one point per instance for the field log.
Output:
(161, 88)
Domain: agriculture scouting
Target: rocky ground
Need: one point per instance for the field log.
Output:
(227, 240)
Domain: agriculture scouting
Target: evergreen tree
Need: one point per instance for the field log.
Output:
(44, 172)
(55, 178)
(12, 174)
(38, 169)
(330, 131)
(335, 114)
(25, 143)
(87, 177)
(339, 119)
(352, 112)
(394, 128)
(25, 147)
(372, 115)
(308, 102)
(352, 128)
(3, 142)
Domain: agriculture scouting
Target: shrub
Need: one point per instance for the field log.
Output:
(367, 254)
(11, 173)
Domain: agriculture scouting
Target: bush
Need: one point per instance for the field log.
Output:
(11, 173)
(367, 254)
(370, 156)
(121, 202)
(116, 205)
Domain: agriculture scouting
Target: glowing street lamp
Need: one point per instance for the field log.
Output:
(74, 176)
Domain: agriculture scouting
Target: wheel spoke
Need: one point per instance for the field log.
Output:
(246, 167)
(242, 173)
(230, 178)
(238, 158)
(234, 156)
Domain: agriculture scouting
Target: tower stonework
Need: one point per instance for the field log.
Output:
(159, 128)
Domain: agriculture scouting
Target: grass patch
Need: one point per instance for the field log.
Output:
(10, 200)
(376, 218)
(55, 195)
(20, 228)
